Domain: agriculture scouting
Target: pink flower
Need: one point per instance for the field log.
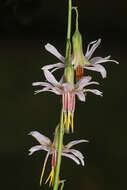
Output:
(51, 149)
(81, 62)
(68, 94)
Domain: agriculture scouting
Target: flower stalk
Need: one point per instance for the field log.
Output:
(71, 84)
(61, 127)
(60, 144)
(68, 43)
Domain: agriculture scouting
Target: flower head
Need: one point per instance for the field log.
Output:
(79, 60)
(51, 149)
(68, 93)
(94, 63)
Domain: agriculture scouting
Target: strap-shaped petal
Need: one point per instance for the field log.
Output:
(54, 51)
(83, 82)
(71, 156)
(94, 91)
(81, 96)
(93, 82)
(46, 89)
(97, 60)
(91, 50)
(55, 90)
(99, 68)
(41, 84)
(49, 76)
(43, 140)
(36, 148)
(72, 143)
(53, 66)
(76, 153)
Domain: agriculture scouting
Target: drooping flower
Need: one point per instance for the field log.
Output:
(51, 149)
(79, 60)
(68, 94)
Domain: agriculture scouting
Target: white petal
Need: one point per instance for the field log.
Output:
(79, 155)
(36, 148)
(71, 157)
(97, 60)
(37, 84)
(88, 47)
(56, 69)
(76, 153)
(55, 91)
(42, 90)
(40, 138)
(72, 143)
(93, 82)
(41, 84)
(99, 68)
(56, 66)
(82, 161)
(114, 61)
(83, 81)
(81, 96)
(54, 51)
(94, 91)
(49, 76)
(91, 50)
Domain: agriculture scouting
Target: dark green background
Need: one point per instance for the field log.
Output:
(25, 27)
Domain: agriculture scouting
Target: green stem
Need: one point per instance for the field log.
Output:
(61, 133)
(68, 43)
(76, 11)
(61, 127)
(69, 19)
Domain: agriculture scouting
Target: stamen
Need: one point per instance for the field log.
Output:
(68, 122)
(63, 101)
(42, 175)
(46, 158)
(51, 177)
(68, 101)
(72, 122)
(68, 109)
(65, 118)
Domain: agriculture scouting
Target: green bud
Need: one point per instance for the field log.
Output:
(69, 74)
(78, 56)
